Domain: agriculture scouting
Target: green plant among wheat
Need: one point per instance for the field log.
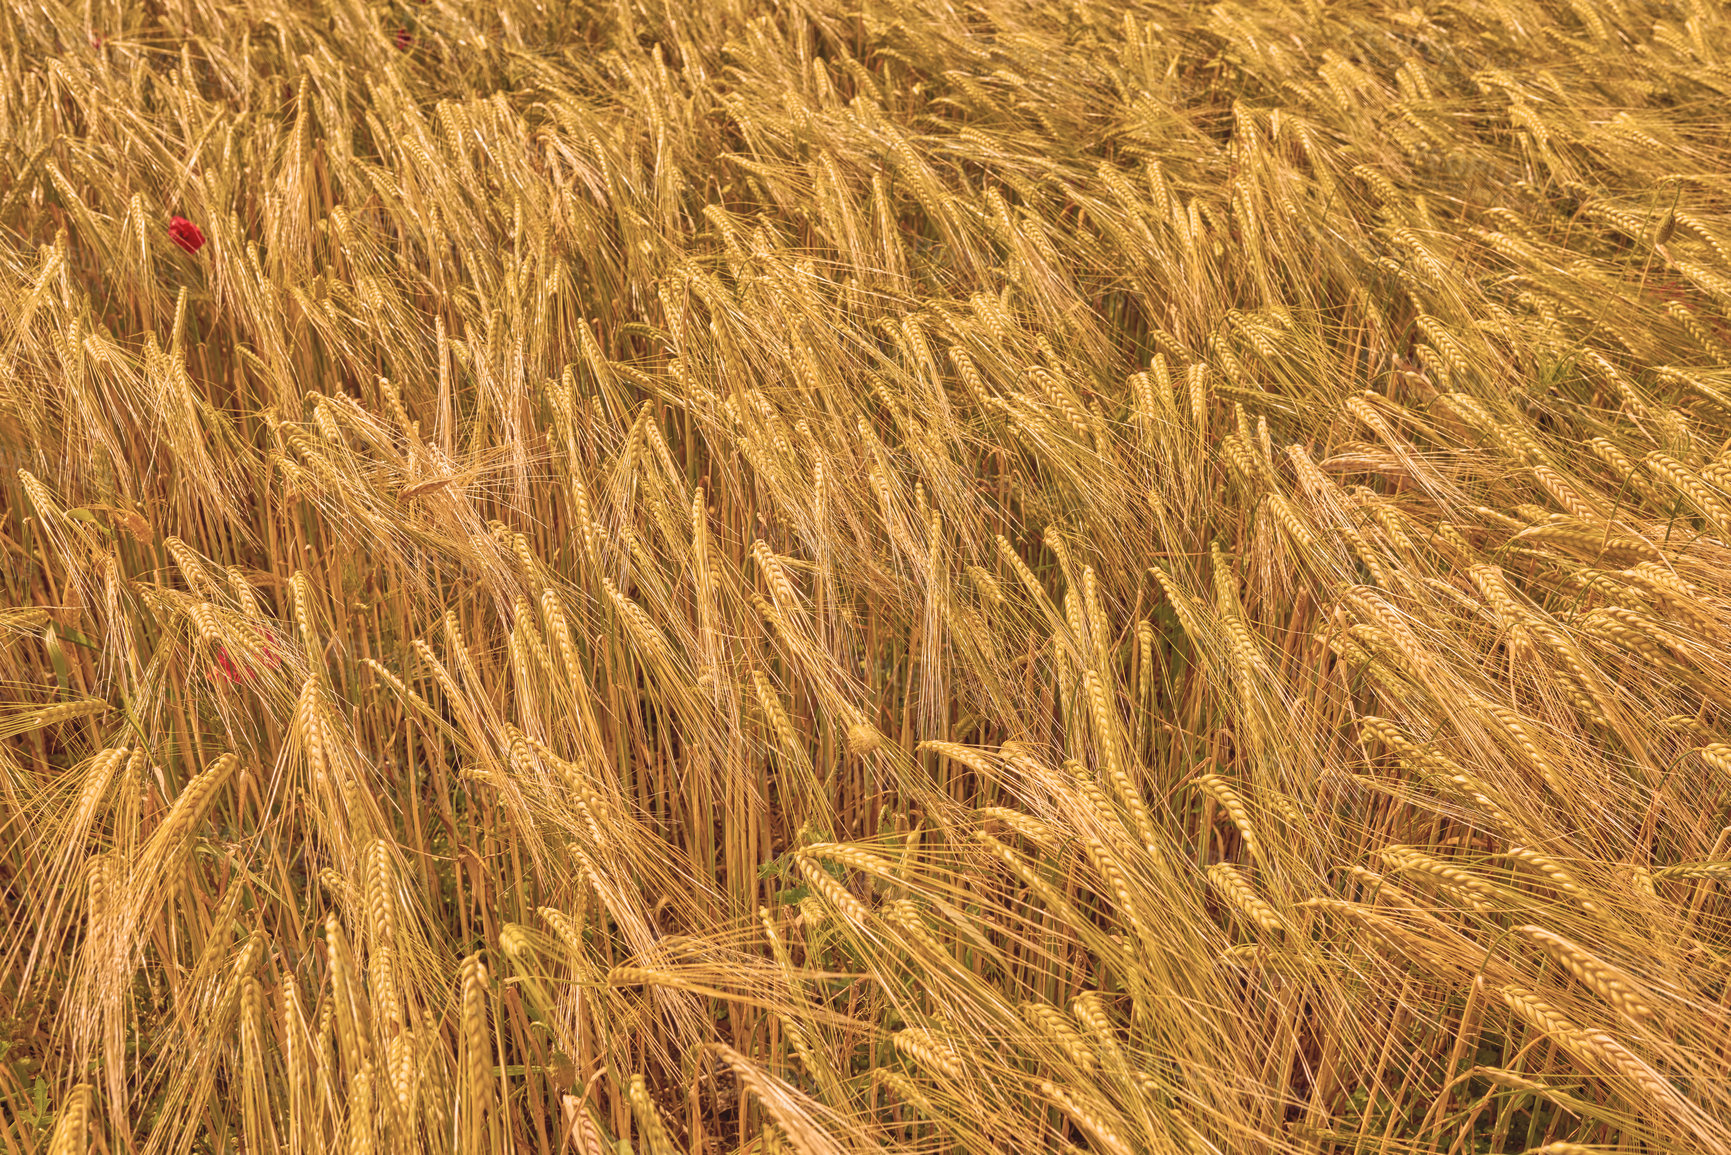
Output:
(904, 576)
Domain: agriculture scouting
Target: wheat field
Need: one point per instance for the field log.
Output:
(709, 576)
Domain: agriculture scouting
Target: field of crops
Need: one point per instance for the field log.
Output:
(830, 576)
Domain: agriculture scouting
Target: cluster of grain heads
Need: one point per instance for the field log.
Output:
(741, 577)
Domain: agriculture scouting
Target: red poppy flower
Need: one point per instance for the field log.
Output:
(185, 234)
(227, 667)
(1669, 289)
(404, 40)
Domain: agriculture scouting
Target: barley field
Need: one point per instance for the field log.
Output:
(830, 576)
